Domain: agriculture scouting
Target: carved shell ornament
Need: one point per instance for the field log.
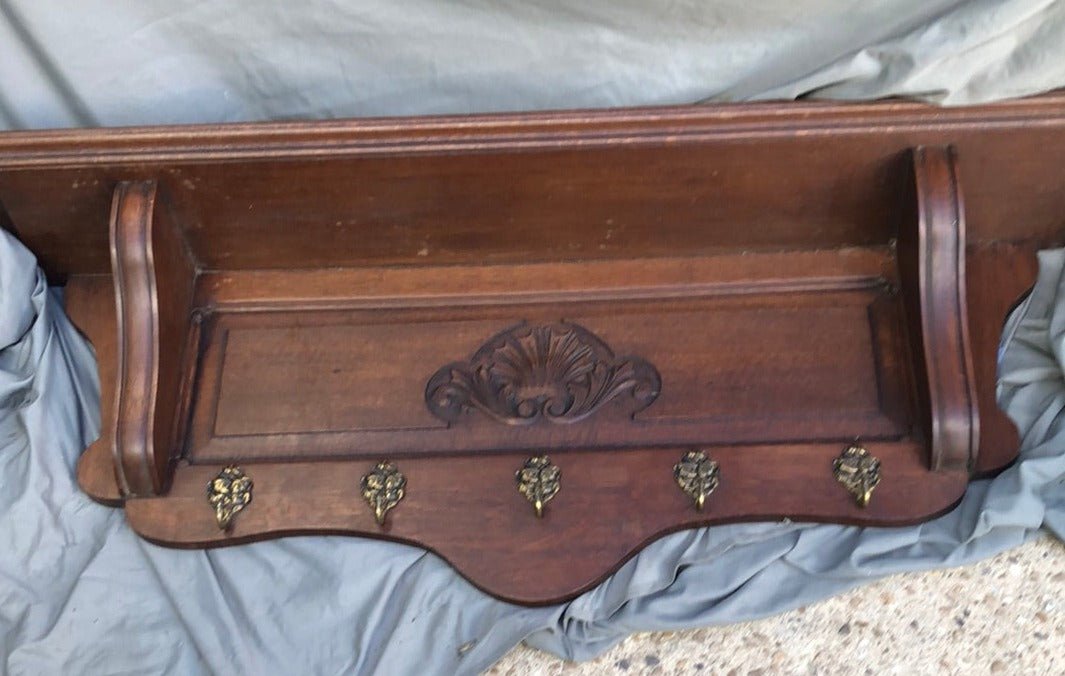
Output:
(530, 373)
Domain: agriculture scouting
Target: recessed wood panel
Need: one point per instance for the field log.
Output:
(318, 376)
(284, 383)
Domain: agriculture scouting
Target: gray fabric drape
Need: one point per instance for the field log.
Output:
(79, 593)
(87, 63)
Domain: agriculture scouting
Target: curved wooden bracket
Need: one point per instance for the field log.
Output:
(932, 267)
(154, 277)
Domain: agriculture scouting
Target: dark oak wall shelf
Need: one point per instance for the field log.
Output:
(535, 343)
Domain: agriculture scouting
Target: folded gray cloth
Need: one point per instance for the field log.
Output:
(79, 593)
(79, 63)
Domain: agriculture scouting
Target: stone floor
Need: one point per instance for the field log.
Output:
(1004, 616)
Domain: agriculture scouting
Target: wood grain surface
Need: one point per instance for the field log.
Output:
(794, 275)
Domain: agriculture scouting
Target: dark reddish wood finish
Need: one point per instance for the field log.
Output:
(90, 304)
(617, 184)
(932, 261)
(347, 376)
(154, 281)
(997, 276)
(611, 504)
(287, 293)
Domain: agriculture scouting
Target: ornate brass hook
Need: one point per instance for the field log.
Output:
(858, 471)
(228, 493)
(383, 488)
(538, 480)
(697, 475)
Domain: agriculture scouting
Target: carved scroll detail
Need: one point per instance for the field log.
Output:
(558, 373)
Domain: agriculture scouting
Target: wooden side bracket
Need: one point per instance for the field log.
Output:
(932, 271)
(154, 277)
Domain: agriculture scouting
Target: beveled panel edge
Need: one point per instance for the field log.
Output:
(720, 274)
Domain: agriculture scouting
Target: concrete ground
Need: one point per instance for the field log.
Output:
(1004, 616)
